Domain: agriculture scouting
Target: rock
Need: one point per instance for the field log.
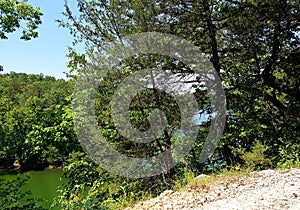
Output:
(166, 193)
(254, 174)
(268, 172)
(201, 176)
(266, 189)
(295, 207)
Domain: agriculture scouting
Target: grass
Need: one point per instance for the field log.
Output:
(189, 179)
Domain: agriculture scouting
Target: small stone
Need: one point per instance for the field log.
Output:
(235, 185)
(201, 176)
(268, 172)
(166, 193)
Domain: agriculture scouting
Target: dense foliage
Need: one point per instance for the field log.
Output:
(254, 46)
(15, 15)
(36, 127)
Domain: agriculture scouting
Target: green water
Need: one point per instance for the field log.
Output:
(42, 184)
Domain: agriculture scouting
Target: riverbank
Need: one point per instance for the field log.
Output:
(16, 169)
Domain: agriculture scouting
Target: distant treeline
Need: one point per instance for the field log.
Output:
(36, 128)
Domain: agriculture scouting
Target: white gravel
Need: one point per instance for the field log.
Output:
(267, 189)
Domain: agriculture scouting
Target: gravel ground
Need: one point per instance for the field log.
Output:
(266, 189)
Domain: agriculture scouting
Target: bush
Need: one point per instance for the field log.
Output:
(289, 156)
(255, 159)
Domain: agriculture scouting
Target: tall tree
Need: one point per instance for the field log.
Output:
(253, 45)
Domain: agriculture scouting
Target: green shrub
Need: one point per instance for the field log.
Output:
(255, 159)
(289, 156)
(184, 179)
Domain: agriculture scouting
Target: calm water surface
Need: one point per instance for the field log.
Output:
(42, 184)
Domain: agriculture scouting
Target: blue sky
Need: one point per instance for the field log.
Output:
(46, 54)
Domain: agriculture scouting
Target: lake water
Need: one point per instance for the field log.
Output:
(42, 184)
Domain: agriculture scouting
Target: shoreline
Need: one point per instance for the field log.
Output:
(16, 170)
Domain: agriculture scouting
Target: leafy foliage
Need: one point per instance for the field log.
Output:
(254, 47)
(14, 197)
(89, 187)
(14, 13)
(255, 159)
(36, 121)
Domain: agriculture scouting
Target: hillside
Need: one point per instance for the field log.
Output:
(266, 189)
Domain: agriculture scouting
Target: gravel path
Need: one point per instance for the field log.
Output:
(267, 189)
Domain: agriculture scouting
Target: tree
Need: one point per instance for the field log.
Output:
(36, 121)
(14, 13)
(113, 32)
(253, 45)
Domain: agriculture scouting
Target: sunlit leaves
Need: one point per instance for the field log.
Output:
(15, 14)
